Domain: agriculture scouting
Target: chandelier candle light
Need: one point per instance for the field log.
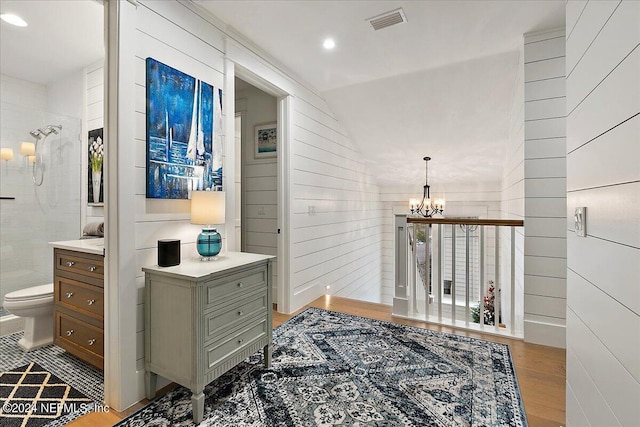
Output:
(207, 207)
(426, 207)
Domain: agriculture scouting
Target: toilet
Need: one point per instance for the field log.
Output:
(35, 305)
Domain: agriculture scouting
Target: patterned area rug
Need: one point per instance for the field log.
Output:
(31, 396)
(336, 369)
(71, 370)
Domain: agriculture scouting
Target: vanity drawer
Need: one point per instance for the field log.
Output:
(79, 296)
(235, 342)
(230, 287)
(86, 264)
(219, 320)
(79, 338)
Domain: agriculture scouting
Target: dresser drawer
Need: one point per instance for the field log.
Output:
(235, 342)
(80, 339)
(85, 264)
(79, 296)
(231, 287)
(222, 319)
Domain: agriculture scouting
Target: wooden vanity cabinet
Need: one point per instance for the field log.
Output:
(78, 283)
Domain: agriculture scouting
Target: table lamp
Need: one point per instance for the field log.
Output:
(207, 208)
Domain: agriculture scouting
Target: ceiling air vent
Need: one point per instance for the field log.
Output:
(388, 19)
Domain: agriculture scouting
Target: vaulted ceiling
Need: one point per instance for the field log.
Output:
(440, 84)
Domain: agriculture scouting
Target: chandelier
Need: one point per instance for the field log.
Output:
(426, 207)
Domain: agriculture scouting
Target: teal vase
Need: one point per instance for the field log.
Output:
(209, 243)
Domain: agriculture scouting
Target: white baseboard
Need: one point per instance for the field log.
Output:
(11, 324)
(545, 334)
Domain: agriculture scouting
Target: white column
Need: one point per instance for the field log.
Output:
(400, 302)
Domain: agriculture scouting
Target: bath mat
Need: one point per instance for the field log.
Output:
(337, 369)
(31, 396)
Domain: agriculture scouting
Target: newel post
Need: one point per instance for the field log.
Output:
(400, 301)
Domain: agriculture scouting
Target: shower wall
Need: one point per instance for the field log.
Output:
(37, 215)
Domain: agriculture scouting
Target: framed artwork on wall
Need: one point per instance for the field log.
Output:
(184, 120)
(266, 139)
(96, 157)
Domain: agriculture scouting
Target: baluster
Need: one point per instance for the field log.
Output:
(496, 285)
(453, 274)
(467, 276)
(513, 279)
(440, 268)
(482, 279)
(427, 267)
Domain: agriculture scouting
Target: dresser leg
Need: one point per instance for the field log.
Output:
(150, 380)
(267, 355)
(197, 401)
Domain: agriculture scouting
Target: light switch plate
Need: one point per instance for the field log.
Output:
(580, 221)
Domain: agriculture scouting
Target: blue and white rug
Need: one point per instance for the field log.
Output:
(336, 369)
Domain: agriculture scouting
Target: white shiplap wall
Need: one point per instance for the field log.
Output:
(603, 269)
(512, 198)
(338, 246)
(545, 188)
(336, 229)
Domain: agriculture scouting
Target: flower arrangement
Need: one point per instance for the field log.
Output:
(96, 152)
(488, 307)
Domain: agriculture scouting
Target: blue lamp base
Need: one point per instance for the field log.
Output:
(209, 243)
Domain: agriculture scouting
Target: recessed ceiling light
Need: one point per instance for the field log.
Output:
(329, 44)
(13, 19)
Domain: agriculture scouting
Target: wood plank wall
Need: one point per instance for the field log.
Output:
(545, 188)
(512, 198)
(603, 269)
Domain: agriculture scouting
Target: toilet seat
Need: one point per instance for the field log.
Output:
(30, 294)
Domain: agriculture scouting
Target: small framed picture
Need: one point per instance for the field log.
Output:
(266, 140)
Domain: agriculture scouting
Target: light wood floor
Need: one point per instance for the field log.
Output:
(540, 369)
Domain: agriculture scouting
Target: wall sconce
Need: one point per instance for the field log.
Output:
(27, 149)
(31, 159)
(6, 154)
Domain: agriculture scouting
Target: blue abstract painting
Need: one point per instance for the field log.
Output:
(184, 150)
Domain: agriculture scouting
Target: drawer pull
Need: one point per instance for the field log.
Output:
(240, 284)
(69, 294)
(91, 342)
(240, 341)
(240, 313)
(91, 301)
(70, 263)
(92, 268)
(70, 332)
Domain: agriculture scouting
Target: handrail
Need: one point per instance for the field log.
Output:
(467, 221)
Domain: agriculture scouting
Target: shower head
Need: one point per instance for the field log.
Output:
(50, 129)
(46, 131)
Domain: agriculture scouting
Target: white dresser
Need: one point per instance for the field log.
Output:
(204, 317)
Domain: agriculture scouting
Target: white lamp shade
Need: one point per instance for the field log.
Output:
(6, 153)
(28, 149)
(32, 159)
(207, 207)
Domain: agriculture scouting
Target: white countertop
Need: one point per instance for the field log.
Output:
(193, 268)
(89, 246)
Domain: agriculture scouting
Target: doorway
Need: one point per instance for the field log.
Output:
(257, 117)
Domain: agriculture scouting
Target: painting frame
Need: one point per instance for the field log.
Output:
(183, 133)
(266, 140)
(95, 163)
